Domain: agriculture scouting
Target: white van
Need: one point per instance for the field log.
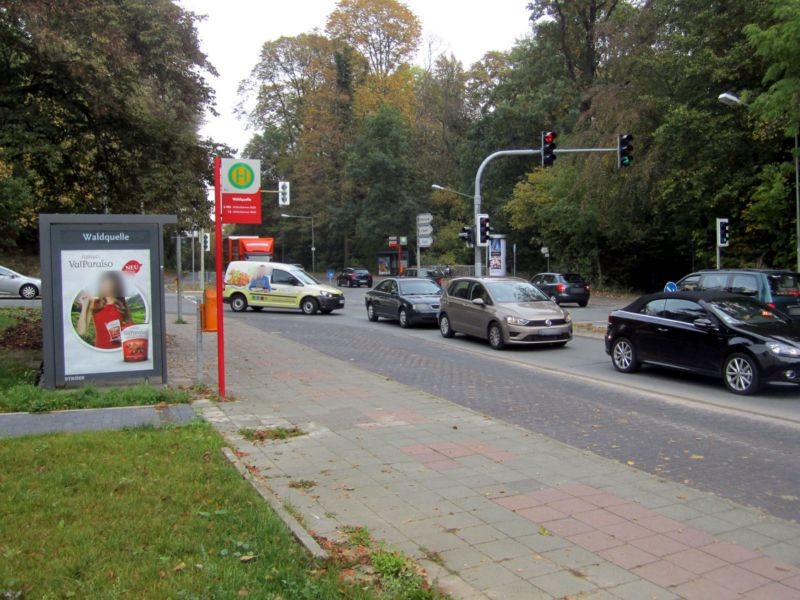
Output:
(277, 285)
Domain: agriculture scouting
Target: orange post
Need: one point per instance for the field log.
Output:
(209, 312)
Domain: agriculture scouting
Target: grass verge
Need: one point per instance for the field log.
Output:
(146, 513)
(20, 356)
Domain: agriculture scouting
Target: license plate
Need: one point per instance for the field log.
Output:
(794, 310)
(549, 332)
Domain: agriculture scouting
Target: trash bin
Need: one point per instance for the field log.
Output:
(209, 310)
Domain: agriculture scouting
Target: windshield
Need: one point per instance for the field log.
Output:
(360, 271)
(744, 311)
(573, 278)
(515, 291)
(423, 287)
(304, 277)
(785, 284)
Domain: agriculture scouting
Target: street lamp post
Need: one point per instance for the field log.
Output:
(730, 99)
(313, 244)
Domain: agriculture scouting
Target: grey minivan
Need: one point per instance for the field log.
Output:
(503, 311)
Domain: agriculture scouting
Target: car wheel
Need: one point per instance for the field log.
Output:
(741, 374)
(371, 314)
(309, 306)
(339, 282)
(350, 283)
(623, 356)
(444, 326)
(402, 316)
(583, 303)
(28, 291)
(257, 308)
(238, 303)
(496, 340)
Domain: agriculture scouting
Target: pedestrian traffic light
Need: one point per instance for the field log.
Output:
(466, 235)
(624, 150)
(723, 233)
(549, 148)
(484, 229)
(284, 190)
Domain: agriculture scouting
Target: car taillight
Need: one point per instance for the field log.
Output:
(561, 288)
(771, 305)
(439, 282)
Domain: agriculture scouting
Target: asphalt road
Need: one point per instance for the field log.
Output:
(681, 428)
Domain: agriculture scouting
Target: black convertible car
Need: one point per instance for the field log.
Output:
(737, 338)
(406, 300)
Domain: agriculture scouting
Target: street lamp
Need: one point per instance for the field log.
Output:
(729, 99)
(313, 246)
(441, 188)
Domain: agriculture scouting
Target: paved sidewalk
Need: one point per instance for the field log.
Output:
(92, 419)
(494, 511)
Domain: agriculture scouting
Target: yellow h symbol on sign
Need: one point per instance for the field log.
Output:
(241, 175)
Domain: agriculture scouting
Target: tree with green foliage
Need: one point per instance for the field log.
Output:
(100, 104)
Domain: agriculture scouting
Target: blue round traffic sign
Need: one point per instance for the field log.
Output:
(671, 287)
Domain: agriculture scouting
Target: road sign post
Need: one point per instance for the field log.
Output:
(424, 234)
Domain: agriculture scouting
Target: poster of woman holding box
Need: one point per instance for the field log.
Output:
(107, 321)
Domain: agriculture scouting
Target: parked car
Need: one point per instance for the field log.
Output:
(715, 333)
(354, 277)
(564, 288)
(431, 273)
(503, 311)
(17, 284)
(408, 300)
(262, 285)
(774, 287)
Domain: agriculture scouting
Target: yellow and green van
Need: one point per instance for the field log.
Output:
(260, 285)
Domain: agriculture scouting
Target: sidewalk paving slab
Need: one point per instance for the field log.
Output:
(506, 512)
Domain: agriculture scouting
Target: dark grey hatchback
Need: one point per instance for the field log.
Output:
(734, 337)
(406, 300)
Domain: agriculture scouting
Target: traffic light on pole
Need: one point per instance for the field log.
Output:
(284, 190)
(549, 148)
(624, 150)
(723, 233)
(484, 229)
(466, 235)
(207, 242)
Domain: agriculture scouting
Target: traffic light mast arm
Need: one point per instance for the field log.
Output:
(477, 199)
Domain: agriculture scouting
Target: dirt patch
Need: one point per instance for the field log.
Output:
(24, 335)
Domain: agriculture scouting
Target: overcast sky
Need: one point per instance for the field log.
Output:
(234, 31)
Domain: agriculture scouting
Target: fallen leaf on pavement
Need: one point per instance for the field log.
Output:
(697, 457)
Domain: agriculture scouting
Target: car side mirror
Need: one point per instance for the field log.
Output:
(479, 302)
(704, 324)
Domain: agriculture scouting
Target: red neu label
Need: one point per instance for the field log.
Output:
(131, 267)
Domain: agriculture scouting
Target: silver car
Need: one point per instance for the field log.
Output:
(503, 311)
(12, 282)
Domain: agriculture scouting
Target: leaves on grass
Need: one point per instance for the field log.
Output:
(248, 558)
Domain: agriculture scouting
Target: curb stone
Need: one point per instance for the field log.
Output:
(299, 532)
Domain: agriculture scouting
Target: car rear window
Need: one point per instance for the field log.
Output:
(785, 284)
(573, 278)
(361, 271)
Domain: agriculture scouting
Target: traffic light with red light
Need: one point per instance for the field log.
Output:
(549, 148)
(624, 150)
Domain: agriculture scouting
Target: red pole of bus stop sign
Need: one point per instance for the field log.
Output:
(218, 252)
